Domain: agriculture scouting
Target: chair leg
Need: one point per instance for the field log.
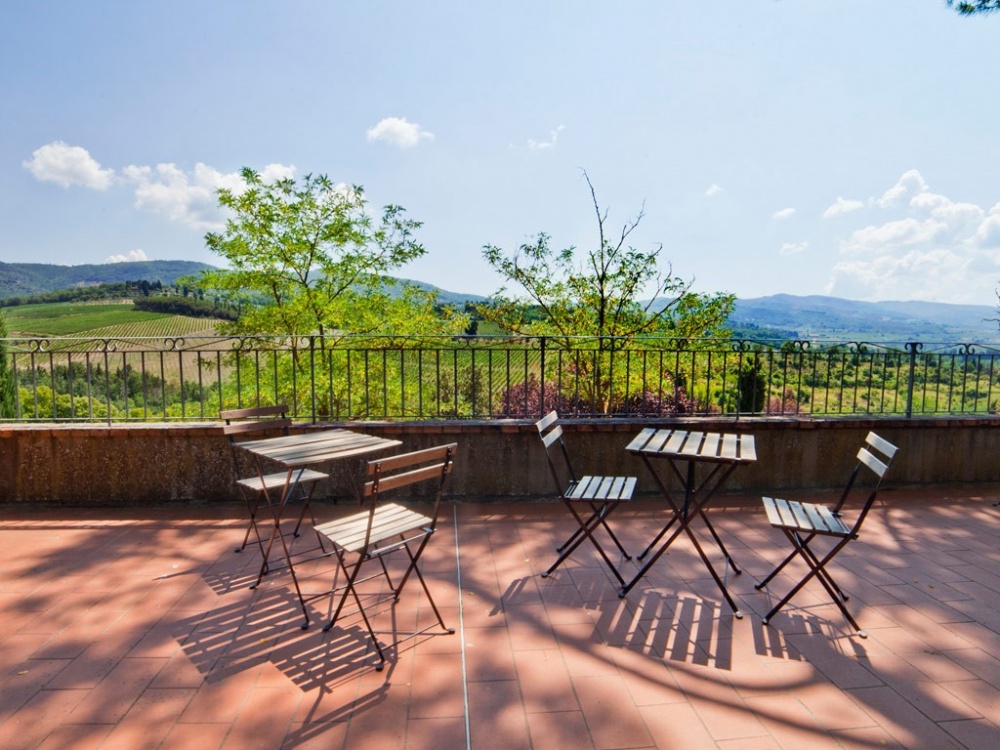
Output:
(352, 576)
(420, 577)
(781, 566)
(817, 568)
(604, 509)
(252, 507)
(585, 531)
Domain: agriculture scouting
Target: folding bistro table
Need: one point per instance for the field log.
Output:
(682, 450)
(294, 452)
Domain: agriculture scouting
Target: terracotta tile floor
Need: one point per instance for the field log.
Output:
(138, 630)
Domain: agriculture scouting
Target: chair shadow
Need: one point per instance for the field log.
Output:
(246, 634)
(677, 627)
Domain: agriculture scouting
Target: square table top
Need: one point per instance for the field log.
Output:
(317, 446)
(694, 445)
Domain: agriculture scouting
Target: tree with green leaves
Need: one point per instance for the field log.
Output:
(309, 262)
(974, 7)
(601, 293)
(309, 258)
(7, 410)
(605, 299)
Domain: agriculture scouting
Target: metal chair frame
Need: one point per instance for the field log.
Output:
(259, 486)
(802, 523)
(600, 494)
(386, 528)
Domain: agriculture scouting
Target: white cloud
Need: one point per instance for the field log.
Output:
(793, 248)
(784, 213)
(190, 198)
(714, 190)
(892, 235)
(988, 233)
(842, 206)
(398, 131)
(67, 165)
(275, 172)
(929, 248)
(911, 183)
(130, 257)
(543, 145)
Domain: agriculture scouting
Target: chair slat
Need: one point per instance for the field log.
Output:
(274, 481)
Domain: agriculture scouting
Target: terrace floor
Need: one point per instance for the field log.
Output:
(137, 630)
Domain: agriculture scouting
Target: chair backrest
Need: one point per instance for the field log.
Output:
(551, 434)
(406, 469)
(250, 423)
(876, 456)
(255, 420)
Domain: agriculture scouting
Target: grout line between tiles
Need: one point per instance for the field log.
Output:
(461, 632)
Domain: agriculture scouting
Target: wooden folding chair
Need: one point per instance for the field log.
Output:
(386, 528)
(802, 523)
(257, 487)
(597, 495)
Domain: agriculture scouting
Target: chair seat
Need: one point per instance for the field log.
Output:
(274, 481)
(804, 517)
(390, 520)
(604, 489)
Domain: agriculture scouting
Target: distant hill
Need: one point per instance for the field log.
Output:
(25, 279)
(779, 316)
(445, 298)
(818, 317)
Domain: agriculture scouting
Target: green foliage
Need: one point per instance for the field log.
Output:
(599, 293)
(751, 386)
(193, 308)
(319, 260)
(7, 405)
(974, 7)
(61, 319)
(81, 294)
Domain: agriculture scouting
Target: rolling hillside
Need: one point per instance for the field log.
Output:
(25, 279)
(778, 316)
(813, 317)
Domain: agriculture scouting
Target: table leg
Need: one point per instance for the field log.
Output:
(684, 516)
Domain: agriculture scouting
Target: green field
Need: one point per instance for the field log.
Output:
(88, 320)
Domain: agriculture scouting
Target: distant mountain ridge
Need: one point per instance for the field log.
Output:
(805, 317)
(816, 316)
(25, 279)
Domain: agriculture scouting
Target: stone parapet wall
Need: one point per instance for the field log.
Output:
(142, 464)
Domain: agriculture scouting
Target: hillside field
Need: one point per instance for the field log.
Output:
(90, 320)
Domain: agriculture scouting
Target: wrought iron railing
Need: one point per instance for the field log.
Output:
(358, 378)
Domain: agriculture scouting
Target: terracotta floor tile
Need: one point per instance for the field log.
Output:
(150, 719)
(264, 718)
(187, 736)
(435, 733)
(559, 729)
(40, 715)
(726, 715)
(436, 688)
(110, 700)
(141, 631)
(496, 716)
(545, 682)
(613, 718)
(980, 734)
(790, 722)
(488, 654)
(677, 725)
(76, 737)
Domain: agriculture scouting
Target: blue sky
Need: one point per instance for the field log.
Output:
(840, 147)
